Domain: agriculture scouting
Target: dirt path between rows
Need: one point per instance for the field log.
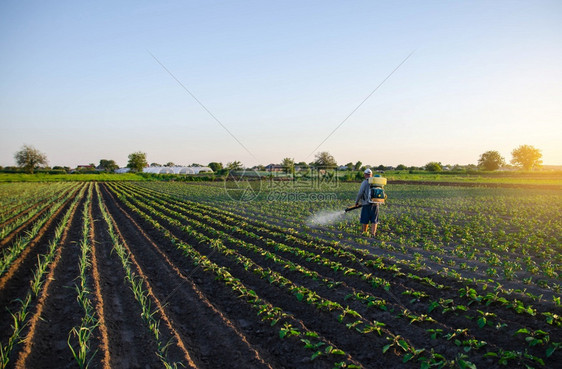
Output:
(418, 335)
(430, 266)
(213, 340)
(29, 223)
(15, 281)
(57, 310)
(129, 342)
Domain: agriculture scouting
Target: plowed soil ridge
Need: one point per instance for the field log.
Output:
(129, 342)
(232, 338)
(29, 222)
(14, 283)
(361, 347)
(57, 310)
(207, 324)
(515, 321)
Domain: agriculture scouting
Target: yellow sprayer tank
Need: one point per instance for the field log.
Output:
(377, 191)
(377, 181)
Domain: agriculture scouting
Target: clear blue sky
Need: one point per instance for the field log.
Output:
(77, 80)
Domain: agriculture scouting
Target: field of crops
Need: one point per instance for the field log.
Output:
(165, 274)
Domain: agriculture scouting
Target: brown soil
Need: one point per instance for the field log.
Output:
(17, 277)
(207, 325)
(57, 310)
(28, 223)
(215, 333)
(417, 335)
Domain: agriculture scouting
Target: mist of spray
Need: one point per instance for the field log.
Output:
(324, 218)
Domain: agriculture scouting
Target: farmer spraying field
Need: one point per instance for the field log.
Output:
(369, 197)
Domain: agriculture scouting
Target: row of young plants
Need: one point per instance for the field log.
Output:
(486, 298)
(458, 217)
(312, 297)
(467, 247)
(11, 252)
(357, 257)
(351, 318)
(17, 194)
(244, 229)
(516, 254)
(80, 336)
(137, 285)
(473, 243)
(274, 315)
(44, 264)
(34, 208)
(516, 306)
(337, 249)
(17, 198)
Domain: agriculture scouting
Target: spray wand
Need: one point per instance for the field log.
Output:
(353, 208)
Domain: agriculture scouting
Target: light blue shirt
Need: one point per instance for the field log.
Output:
(364, 195)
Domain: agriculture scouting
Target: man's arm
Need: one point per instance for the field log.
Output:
(360, 193)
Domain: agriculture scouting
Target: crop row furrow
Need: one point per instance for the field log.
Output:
(479, 315)
(286, 264)
(445, 332)
(20, 200)
(352, 320)
(270, 238)
(44, 262)
(334, 248)
(30, 216)
(425, 285)
(80, 336)
(308, 295)
(15, 249)
(267, 311)
(141, 293)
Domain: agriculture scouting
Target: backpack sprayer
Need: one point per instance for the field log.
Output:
(376, 192)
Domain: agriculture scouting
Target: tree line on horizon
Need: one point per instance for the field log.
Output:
(525, 157)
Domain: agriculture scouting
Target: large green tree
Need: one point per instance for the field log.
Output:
(137, 161)
(527, 157)
(325, 160)
(491, 160)
(433, 166)
(215, 166)
(29, 158)
(234, 165)
(108, 165)
(288, 165)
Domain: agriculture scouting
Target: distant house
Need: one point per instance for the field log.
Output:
(83, 168)
(274, 168)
